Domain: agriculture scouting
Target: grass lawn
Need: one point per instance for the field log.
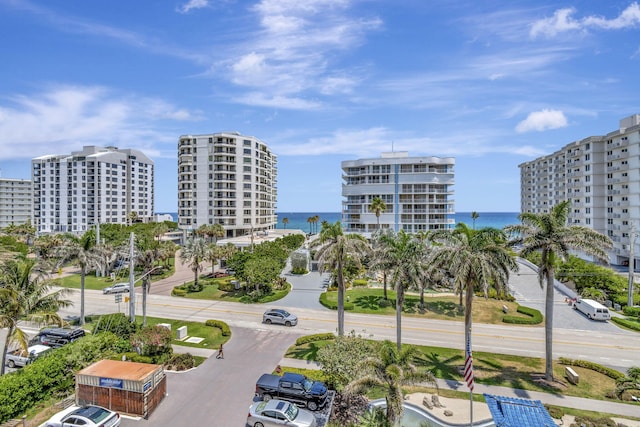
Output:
(212, 336)
(365, 300)
(493, 369)
(211, 291)
(98, 283)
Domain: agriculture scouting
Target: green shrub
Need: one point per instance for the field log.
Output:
(631, 324)
(611, 373)
(315, 337)
(534, 317)
(360, 282)
(555, 411)
(142, 359)
(334, 305)
(384, 303)
(226, 286)
(178, 291)
(152, 340)
(631, 311)
(117, 323)
(299, 270)
(224, 328)
(180, 362)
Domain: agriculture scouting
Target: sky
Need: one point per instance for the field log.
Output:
(491, 83)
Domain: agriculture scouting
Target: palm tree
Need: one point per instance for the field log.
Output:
(549, 234)
(285, 221)
(377, 206)
(213, 255)
(25, 294)
(476, 259)
(474, 215)
(81, 250)
(336, 249)
(147, 261)
(310, 220)
(390, 369)
(194, 252)
(403, 256)
(211, 231)
(316, 219)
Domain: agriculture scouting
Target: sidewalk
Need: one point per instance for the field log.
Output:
(608, 407)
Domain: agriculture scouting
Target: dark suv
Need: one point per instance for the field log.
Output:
(57, 337)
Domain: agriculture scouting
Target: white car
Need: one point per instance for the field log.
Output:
(116, 289)
(21, 357)
(87, 416)
(275, 413)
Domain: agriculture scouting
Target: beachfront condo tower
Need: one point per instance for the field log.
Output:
(417, 193)
(600, 175)
(16, 201)
(228, 179)
(73, 192)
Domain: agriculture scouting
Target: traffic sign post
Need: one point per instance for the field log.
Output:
(118, 299)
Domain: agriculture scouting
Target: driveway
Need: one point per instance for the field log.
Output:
(220, 391)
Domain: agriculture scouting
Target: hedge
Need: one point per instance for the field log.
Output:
(178, 291)
(334, 305)
(534, 317)
(631, 311)
(316, 337)
(360, 282)
(226, 331)
(611, 373)
(627, 323)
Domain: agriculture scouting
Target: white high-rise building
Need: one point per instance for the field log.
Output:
(73, 192)
(16, 201)
(229, 179)
(600, 175)
(417, 191)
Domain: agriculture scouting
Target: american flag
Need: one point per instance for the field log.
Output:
(468, 365)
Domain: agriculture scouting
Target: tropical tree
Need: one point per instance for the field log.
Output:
(403, 256)
(390, 369)
(336, 249)
(549, 235)
(474, 215)
(630, 384)
(310, 221)
(25, 294)
(147, 261)
(377, 206)
(285, 221)
(193, 253)
(476, 259)
(213, 255)
(81, 251)
(211, 231)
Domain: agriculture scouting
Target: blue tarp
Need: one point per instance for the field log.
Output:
(514, 412)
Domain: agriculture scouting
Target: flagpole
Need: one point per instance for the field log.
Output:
(468, 373)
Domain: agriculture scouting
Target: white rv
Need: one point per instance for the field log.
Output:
(592, 309)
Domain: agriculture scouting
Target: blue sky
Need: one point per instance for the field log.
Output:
(491, 83)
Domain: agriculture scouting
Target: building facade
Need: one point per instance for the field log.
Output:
(228, 179)
(417, 191)
(73, 192)
(16, 201)
(600, 175)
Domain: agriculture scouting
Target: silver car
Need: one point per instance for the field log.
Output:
(116, 289)
(88, 416)
(282, 317)
(277, 413)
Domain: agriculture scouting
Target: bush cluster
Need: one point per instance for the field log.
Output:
(316, 337)
(116, 323)
(360, 282)
(180, 362)
(299, 270)
(224, 328)
(611, 373)
(226, 285)
(534, 317)
(178, 291)
(631, 324)
(631, 311)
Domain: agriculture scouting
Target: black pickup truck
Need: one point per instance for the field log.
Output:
(295, 388)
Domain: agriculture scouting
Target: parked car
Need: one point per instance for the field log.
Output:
(88, 416)
(294, 388)
(20, 357)
(116, 289)
(276, 413)
(57, 337)
(282, 317)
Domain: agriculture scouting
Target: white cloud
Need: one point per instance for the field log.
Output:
(542, 120)
(193, 4)
(563, 21)
(64, 118)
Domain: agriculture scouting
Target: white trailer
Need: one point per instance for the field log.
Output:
(592, 309)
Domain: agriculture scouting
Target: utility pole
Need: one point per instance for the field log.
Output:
(132, 286)
(632, 261)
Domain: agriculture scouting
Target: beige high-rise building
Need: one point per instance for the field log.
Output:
(16, 201)
(417, 191)
(601, 177)
(228, 179)
(73, 192)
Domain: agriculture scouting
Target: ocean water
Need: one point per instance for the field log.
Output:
(298, 220)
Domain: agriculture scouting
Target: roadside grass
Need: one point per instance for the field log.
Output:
(437, 306)
(517, 372)
(211, 291)
(98, 283)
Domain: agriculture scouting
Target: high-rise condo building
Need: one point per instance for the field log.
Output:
(228, 179)
(600, 175)
(73, 192)
(417, 193)
(16, 201)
